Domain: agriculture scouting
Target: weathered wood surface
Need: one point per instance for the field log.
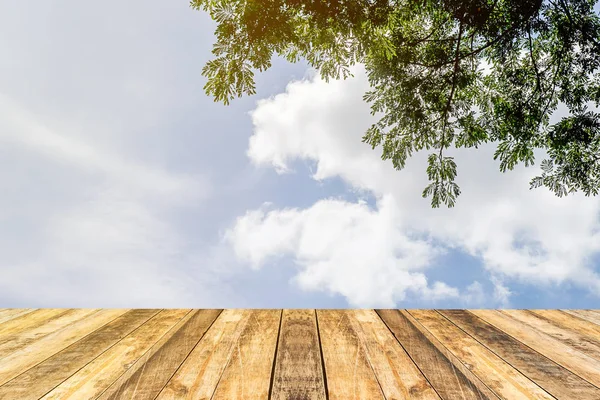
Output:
(299, 354)
(298, 372)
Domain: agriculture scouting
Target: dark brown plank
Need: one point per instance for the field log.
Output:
(450, 378)
(298, 372)
(349, 374)
(42, 378)
(149, 375)
(556, 380)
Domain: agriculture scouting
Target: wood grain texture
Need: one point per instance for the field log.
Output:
(556, 380)
(39, 380)
(198, 376)
(396, 373)
(248, 373)
(33, 353)
(299, 354)
(349, 373)
(498, 375)
(298, 372)
(99, 374)
(30, 321)
(450, 378)
(561, 353)
(571, 322)
(570, 337)
(6, 314)
(150, 374)
(589, 315)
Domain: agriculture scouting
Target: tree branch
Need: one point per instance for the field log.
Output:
(535, 68)
(473, 52)
(452, 90)
(570, 17)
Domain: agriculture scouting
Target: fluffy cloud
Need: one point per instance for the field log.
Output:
(376, 256)
(343, 248)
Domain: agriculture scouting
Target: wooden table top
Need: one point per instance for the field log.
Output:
(299, 354)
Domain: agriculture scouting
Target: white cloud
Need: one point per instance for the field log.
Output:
(501, 293)
(343, 248)
(371, 256)
(474, 295)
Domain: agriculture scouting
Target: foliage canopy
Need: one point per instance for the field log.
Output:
(442, 73)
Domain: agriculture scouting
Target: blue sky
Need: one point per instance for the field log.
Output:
(124, 185)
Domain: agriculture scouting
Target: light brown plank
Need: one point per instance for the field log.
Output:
(26, 357)
(398, 376)
(248, 374)
(589, 315)
(556, 380)
(198, 376)
(450, 378)
(26, 337)
(9, 311)
(570, 337)
(577, 362)
(571, 322)
(8, 314)
(298, 372)
(498, 375)
(349, 374)
(30, 321)
(99, 374)
(149, 375)
(39, 380)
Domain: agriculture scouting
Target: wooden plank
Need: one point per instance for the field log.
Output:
(39, 380)
(44, 328)
(349, 374)
(26, 357)
(450, 378)
(9, 311)
(29, 321)
(397, 374)
(298, 372)
(498, 375)
(571, 338)
(556, 380)
(198, 376)
(571, 322)
(149, 375)
(248, 374)
(589, 315)
(8, 314)
(575, 361)
(90, 381)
